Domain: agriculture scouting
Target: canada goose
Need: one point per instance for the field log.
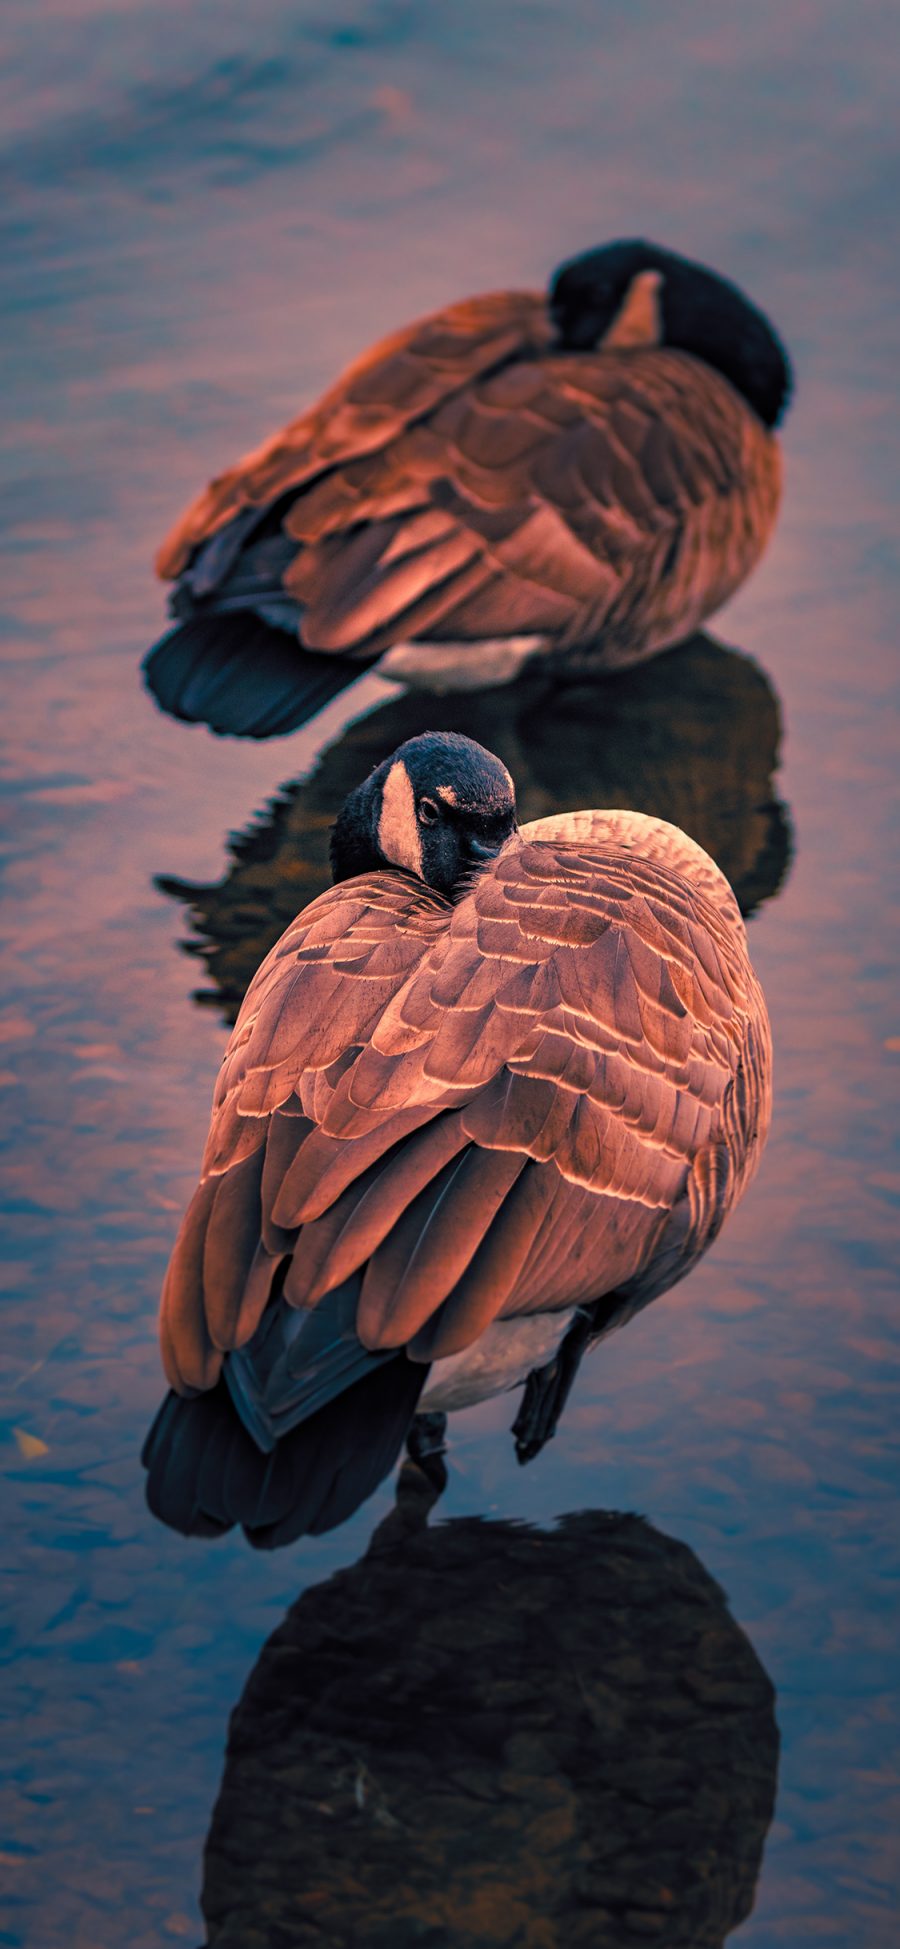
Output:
(489, 1733)
(486, 1098)
(576, 477)
(693, 739)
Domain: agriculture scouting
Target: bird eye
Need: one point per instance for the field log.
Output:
(428, 812)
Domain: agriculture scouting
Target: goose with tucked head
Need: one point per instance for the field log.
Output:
(636, 294)
(439, 808)
(692, 737)
(570, 479)
(486, 1097)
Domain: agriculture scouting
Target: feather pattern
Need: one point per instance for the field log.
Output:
(550, 1092)
(469, 479)
(206, 1472)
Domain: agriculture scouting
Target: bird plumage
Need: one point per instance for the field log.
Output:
(505, 481)
(541, 1093)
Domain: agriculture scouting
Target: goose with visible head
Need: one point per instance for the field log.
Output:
(692, 739)
(574, 479)
(486, 1098)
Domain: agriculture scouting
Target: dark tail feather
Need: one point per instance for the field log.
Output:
(205, 1473)
(242, 677)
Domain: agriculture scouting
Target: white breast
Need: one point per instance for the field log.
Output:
(502, 1358)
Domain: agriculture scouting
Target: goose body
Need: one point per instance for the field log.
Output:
(450, 1126)
(574, 478)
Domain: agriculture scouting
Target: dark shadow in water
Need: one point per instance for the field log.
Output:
(487, 1733)
(692, 736)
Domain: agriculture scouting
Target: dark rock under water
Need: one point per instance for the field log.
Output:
(488, 1733)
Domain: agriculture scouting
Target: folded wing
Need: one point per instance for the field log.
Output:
(394, 384)
(548, 1093)
(465, 482)
(583, 497)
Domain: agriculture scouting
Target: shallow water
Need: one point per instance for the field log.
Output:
(205, 213)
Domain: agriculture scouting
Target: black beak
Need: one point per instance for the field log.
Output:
(479, 849)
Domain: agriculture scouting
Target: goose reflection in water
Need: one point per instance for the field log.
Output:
(693, 738)
(489, 1733)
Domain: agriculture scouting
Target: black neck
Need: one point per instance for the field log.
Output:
(701, 313)
(354, 836)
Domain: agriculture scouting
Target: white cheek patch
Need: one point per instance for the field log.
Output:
(638, 320)
(398, 827)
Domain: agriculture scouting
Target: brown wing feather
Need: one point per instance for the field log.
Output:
(552, 1091)
(463, 482)
(393, 384)
(621, 496)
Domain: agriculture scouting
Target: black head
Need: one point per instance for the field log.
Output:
(635, 293)
(440, 807)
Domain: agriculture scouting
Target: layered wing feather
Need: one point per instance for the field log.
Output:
(394, 384)
(617, 496)
(465, 482)
(549, 1093)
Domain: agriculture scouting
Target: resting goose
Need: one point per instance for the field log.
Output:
(485, 1099)
(573, 478)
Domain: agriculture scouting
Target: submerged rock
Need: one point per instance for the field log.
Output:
(486, 1733)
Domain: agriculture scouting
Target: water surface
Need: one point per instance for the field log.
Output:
(205, 213)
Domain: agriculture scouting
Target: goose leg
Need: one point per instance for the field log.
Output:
(426, 1445)
(420, 1484)
(547, 1388)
